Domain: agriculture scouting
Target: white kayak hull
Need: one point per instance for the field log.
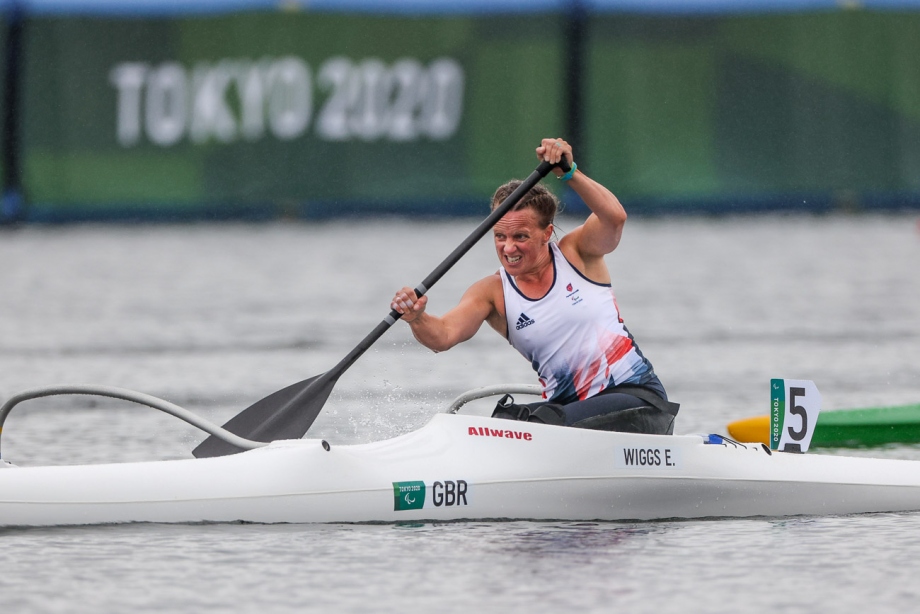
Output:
(464, 467)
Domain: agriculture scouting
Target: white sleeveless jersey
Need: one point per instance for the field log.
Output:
(573, 336)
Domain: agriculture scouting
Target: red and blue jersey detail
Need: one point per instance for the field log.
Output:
(574, 336)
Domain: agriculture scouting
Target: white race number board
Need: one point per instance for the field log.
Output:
(794, 408)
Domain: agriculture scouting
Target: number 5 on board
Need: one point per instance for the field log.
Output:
(794, 408)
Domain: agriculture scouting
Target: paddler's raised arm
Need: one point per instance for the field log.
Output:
(455, 326)
(601, 232)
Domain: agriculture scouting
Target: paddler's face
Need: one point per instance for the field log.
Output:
(520, 242)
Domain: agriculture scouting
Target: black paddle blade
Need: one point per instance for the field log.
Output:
(286, 414)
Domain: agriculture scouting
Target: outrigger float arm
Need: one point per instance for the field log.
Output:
(488, 391)
(207, 426)
(136, 397)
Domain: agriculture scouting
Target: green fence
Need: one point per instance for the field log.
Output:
(758, 108)
(267, 114)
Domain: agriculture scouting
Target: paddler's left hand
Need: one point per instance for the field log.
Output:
(552, 151)
(408, 305)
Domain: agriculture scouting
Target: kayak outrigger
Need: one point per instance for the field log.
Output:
(455, 467)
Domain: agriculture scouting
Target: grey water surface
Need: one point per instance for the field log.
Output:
(215, 317)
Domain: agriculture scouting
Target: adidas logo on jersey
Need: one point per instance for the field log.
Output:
(523, 321)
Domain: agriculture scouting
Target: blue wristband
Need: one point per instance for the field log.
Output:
(571, 172)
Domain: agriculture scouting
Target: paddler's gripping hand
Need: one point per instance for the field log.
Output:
(552, 151)
(406, 303)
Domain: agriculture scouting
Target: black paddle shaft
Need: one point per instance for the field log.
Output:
(454, 257)
(289, 412)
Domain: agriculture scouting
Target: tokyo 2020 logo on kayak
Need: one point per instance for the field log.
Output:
(408, 496)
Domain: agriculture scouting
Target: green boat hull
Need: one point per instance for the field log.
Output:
(874, 426)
